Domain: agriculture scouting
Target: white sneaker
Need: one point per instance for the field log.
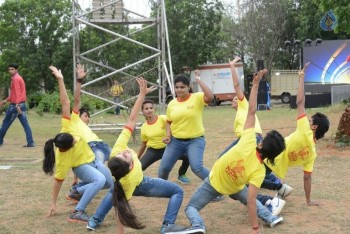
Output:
(191, 230)
(277, 205)
(285, 191)
(276, 221)
(172, 229)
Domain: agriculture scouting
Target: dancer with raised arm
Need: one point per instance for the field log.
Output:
(184, 129)
(130, 181)
(81, 118)
(241, 165)
(68, 150)
(301, 144)
(271, 182)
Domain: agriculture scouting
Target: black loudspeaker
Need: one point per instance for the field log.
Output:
(293, 102)
(262, 98)
(248, 85)
(260, 64)
(312, 101)
(262, 87)
(262, 92)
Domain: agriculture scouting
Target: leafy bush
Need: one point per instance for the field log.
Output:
(346, 101)
(50, 102)
(3, 109)
(92, 104)
(342, 140)
(2, 97)
(34, 99)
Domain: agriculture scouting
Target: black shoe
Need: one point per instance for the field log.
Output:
(73, 195)
(27, 146)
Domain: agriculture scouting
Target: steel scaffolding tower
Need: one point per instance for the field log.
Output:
(108, 12)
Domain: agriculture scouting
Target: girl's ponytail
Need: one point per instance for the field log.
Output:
(49, 157)
(119, 168)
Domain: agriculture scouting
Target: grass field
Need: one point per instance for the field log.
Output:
(25, 190)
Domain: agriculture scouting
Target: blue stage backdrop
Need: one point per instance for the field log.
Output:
(329, 62)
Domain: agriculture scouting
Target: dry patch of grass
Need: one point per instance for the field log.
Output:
(25, 190)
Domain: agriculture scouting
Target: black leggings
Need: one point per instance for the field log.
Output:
(152, 155)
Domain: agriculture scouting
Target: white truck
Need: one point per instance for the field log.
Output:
(284, 84)
(219, 79)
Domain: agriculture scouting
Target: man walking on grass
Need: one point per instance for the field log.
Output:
(17, 107)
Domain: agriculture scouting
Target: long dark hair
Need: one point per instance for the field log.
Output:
(63, 141)
(119, 168)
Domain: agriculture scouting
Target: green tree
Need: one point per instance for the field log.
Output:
(194, 31)
(341, 9)
(231, 40)
(121, 52)
(259, 28)
(303, 22)
(34, 33)
(256, 30)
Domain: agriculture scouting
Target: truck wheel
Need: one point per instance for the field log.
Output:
(285, 98)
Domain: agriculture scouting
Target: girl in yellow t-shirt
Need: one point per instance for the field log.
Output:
(130, 181)
(184, 129)
(73, 152)
(241, 165)
(81, 117)
(152, 136)
(240, 104)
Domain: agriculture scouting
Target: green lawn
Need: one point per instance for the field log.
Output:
(25, 190)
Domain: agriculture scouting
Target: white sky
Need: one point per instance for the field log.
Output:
(140, 6)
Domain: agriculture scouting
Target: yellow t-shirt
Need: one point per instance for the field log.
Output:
(135, 176)
(83, 129)
(78, 155)
(300, 150)
(153, 133)
(239, 166)
(186, 116)
(241, 116)
(117, 90)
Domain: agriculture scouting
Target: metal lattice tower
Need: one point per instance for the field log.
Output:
(111, 12)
